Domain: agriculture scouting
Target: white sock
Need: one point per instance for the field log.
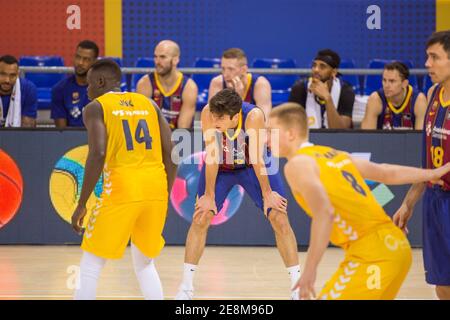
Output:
(147, 275)
(188, 276)
(90, 268)
(294, 274)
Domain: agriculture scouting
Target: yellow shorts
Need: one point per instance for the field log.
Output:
(374, 268)
(111, 226)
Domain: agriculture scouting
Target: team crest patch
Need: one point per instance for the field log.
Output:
(176, 99)
(156, 93)
(434, 106)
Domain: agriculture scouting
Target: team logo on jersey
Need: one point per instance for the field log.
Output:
(75, 97)
(176, 99)
(126, 103)
(156, 93)
(434, 106)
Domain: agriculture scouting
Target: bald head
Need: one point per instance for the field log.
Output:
(167, 57)
(170, 47)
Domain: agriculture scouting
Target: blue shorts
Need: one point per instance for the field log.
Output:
(436, 236)
(245, 177)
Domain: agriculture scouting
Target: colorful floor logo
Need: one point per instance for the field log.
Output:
(11, 188)
(184, 191)
(66, 181)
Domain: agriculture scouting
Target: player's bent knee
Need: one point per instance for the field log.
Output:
(202, 220)
(280, 222)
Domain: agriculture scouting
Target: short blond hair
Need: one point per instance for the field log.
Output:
(291, 115)
(235, 53)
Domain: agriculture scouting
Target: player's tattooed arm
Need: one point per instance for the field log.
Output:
(309, 186)
(97, 139)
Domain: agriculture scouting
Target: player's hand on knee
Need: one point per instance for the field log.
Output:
(206, 204)
(275, 201)
(77, 219)
(402, 216)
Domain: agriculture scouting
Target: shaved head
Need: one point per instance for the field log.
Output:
(167, 57)
(170, 47)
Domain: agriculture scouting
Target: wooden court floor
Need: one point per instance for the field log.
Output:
(47, 272)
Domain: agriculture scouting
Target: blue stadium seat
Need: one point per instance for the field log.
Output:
(374, 82)
(352, 79)
(281, 84)
(203, 80)
(123, 83)
(141, 62)
(43, 81)
(427, 83)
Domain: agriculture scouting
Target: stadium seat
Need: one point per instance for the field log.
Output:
(203, 80)
(43, 81)
(352, 79)
(374, 82)
(123, 83)
(141, 62)
(281, 84)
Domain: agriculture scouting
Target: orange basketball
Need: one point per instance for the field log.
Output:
(11, 187)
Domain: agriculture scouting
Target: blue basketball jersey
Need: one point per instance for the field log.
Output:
(68, 101)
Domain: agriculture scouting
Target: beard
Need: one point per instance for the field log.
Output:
(81, 72)
(322, 79)
(165, 71)
(5, 88)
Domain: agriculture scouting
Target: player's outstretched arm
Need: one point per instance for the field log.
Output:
(166, 146)
(309, 186)
(97, 140)
(396, 174)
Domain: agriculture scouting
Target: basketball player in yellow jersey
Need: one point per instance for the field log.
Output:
(329, 185)
(129, 141)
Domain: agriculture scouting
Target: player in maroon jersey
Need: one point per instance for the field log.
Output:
(436, 153)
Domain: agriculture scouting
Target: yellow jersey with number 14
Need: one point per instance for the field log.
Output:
(134, 170)
(357, 212)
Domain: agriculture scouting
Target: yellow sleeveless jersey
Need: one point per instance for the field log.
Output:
(134, 170)
(357, 212)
